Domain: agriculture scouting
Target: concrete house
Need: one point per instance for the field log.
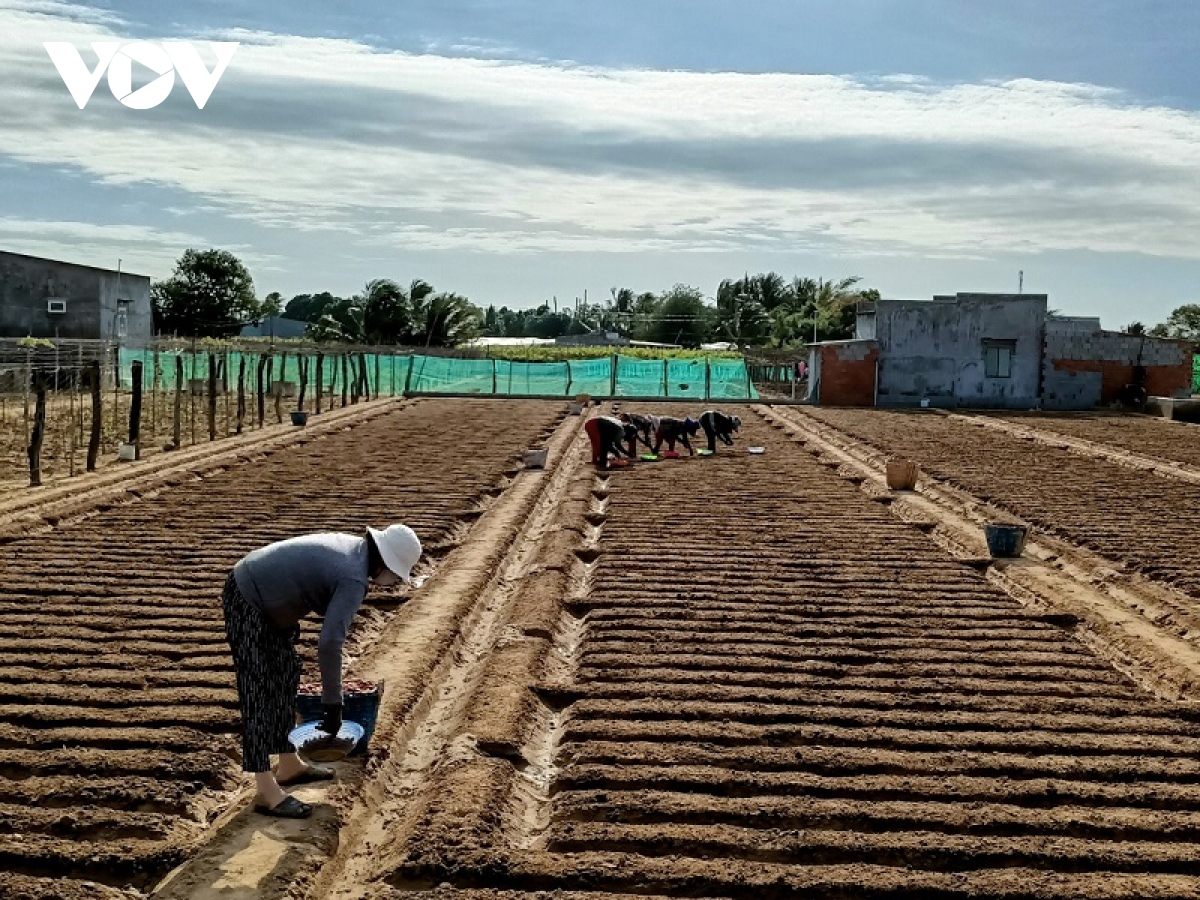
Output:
(989, 351)
(49, 298)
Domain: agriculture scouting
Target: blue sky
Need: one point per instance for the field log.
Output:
(514, 151)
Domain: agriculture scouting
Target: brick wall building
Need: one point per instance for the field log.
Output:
(990, 351)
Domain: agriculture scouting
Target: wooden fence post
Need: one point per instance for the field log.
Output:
(345, 380)
(79, 386)
(135, 410)
(117, 390)
(262, 409)
(225, 389)
(320, 375)
(39, 430)
(279, 393)
(25, 391)
(212, 396)
(192, 398)
(97, 412)
(176, 435)
(612, 389)
(155, 375)
(304, 382)
(241, 405)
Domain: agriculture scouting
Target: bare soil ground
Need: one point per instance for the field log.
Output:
(761, 683)
(69, 422)
(1148, 435)
(116, 725)
(1144, 524)
(732, 677)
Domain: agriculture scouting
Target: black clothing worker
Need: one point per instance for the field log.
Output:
(718, 425)
(671, 430)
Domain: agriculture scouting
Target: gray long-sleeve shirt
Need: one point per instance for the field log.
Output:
(324, 574)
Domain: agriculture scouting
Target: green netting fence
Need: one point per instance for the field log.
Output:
(1196, 374)
(389, 375)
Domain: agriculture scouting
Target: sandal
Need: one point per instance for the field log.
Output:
(287, 808)
(308, 776)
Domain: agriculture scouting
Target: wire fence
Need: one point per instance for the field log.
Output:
(192, 392)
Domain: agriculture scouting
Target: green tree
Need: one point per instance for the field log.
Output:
(1184, 322)
(387, 311)
(311, 307)
(1134, 328)
(831, 304)
(444, 320)
(742, 310)
(210, 294)
(682, 317)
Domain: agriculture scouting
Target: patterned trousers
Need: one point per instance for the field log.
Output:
(268, 674)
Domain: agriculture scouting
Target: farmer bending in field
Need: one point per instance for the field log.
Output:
(672, 430)
(718, 425)
(607, 434)
(644, 427)
(266, 595)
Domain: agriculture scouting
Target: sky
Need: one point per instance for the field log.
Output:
(516, 152)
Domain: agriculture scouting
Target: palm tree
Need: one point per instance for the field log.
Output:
(446, 320)
(827, 305)
(385, 312)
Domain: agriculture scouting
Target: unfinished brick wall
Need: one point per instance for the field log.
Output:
(848, 374)
(1088, 370)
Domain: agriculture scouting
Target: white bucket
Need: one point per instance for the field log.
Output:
(127, 452)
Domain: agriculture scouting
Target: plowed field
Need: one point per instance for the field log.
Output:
(781, 691)
(118, 711)
(1144, 523)
(1147, 435)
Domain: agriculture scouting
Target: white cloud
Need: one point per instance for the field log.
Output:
(502, 156)
(142, 250)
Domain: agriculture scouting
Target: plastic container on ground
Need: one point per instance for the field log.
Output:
(1005, 541)
(535, 459)
(299, 418)
(315, 745)
(357, 706)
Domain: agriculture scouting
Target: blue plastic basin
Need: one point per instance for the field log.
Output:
(1005, 541)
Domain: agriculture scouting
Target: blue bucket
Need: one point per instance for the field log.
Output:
(1005, 541)
(357, 706)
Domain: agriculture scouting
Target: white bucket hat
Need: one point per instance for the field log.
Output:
(399, 547)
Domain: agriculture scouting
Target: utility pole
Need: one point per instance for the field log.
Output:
(1021, 281)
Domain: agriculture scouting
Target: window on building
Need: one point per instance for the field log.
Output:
(997, 358)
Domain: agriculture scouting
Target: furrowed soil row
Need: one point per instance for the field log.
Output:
(117, 744)
(25, 510)
(1145, 525)
(1173, 446)
(859, 714)
(1138, 625)
(478, 719)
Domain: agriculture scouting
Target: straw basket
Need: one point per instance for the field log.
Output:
(901, 474)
